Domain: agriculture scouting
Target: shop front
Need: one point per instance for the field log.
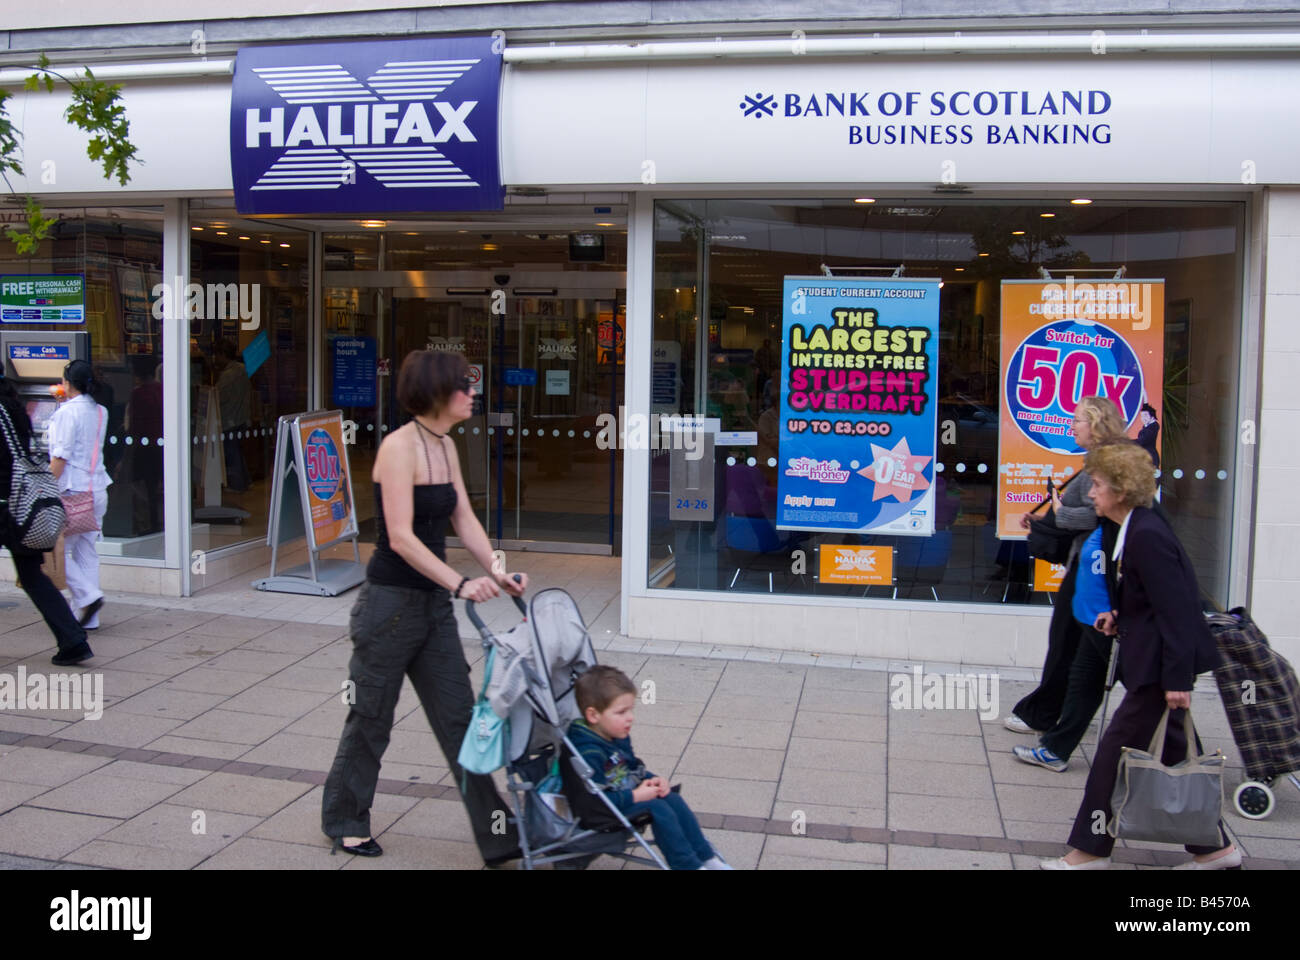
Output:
(629, 302)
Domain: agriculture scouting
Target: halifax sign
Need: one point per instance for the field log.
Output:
(391, 127)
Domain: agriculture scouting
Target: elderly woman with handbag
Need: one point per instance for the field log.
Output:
(76, 437)
(1163, 644)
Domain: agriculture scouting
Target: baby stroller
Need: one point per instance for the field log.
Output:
(537, 663)
(1262, 699)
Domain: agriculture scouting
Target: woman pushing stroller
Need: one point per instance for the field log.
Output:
(403, 623)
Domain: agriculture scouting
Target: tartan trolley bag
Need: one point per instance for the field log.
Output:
(1262, 699)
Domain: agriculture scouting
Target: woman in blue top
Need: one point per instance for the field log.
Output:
(76, 437)
(403, 623)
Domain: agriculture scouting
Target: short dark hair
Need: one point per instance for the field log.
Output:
(81, 375)
(600, 686)
(428, 379)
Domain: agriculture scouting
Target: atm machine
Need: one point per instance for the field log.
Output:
(34, 361)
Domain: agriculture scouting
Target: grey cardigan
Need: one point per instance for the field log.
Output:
(1077, 512)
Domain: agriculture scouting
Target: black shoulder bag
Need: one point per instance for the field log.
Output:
(1047, 541)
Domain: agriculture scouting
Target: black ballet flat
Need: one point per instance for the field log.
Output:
(366, 849)
(91, 609)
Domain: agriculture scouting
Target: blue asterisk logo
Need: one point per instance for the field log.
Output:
(759, 105)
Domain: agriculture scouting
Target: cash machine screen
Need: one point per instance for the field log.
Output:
(40, 412)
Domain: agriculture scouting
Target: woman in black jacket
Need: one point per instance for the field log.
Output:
(1163, 644)
(71, 638)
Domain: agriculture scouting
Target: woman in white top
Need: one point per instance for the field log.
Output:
(76, 437)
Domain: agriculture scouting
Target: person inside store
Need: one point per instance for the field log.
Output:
(144, 425)
(1148, 436)
(16, 435)
(235, 395)
(76, 436)
(1164, 645)
(403, 623)
(1096, 423)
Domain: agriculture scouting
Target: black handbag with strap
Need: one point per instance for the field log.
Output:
(1047, 541)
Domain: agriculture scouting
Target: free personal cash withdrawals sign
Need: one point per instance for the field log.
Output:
(859, 363)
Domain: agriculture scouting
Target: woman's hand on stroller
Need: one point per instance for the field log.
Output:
(512, 583)
(480, 590)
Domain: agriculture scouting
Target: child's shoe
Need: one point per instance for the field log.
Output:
(716, 862)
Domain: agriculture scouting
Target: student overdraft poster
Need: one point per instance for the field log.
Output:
(1063, 341)
(859, 364)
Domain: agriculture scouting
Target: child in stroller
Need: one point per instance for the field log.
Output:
(607, 699)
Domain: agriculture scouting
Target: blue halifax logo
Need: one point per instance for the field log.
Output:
(394, 127)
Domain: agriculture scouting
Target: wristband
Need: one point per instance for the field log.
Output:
(459, 586)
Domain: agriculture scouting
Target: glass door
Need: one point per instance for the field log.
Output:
(561, 369)
(546, 368)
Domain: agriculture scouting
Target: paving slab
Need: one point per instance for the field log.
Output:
(46, 768)
(256, 796)
(761, 734)
(865, 756)
(935, 858)
(49, 834)
(100, 794)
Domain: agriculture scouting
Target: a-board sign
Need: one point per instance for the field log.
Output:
(322, 458)
(311, 495)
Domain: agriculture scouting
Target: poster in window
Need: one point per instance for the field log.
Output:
(1063, 341)
(859, 363)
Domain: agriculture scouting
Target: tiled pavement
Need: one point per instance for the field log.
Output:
(222, 713)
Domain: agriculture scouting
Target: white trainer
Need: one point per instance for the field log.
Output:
(1017, 725)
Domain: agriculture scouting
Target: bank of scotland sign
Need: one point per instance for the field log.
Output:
(394, 127)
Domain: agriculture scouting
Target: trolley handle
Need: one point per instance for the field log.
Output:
(475, 619)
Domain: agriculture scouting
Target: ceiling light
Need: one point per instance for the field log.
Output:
(864, 200)
(604, 223)
(196, 228)
(1081, 201)
(983, 254)
(1047, 216)
(960, 269)
(1017, 233)
(374, 224)
(490, 247)
(264, 241)
(222, 233)
(284, 244)
(245, 238)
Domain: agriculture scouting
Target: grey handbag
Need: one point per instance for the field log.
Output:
(1179, 804)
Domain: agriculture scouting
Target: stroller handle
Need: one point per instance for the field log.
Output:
(475, 619)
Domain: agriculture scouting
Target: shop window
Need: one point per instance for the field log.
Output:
(249, 347)
(718, 345)
(118, 252)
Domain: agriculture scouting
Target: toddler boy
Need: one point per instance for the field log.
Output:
(607, 699)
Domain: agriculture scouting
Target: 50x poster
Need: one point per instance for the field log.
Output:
(1062, 342)
(859, 363)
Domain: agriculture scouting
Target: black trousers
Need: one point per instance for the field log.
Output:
(1083, 694)
(68, 634)
(1133, 725)
(1042, 708)
(399, 632)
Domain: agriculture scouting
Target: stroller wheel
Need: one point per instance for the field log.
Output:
(1253, 800)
